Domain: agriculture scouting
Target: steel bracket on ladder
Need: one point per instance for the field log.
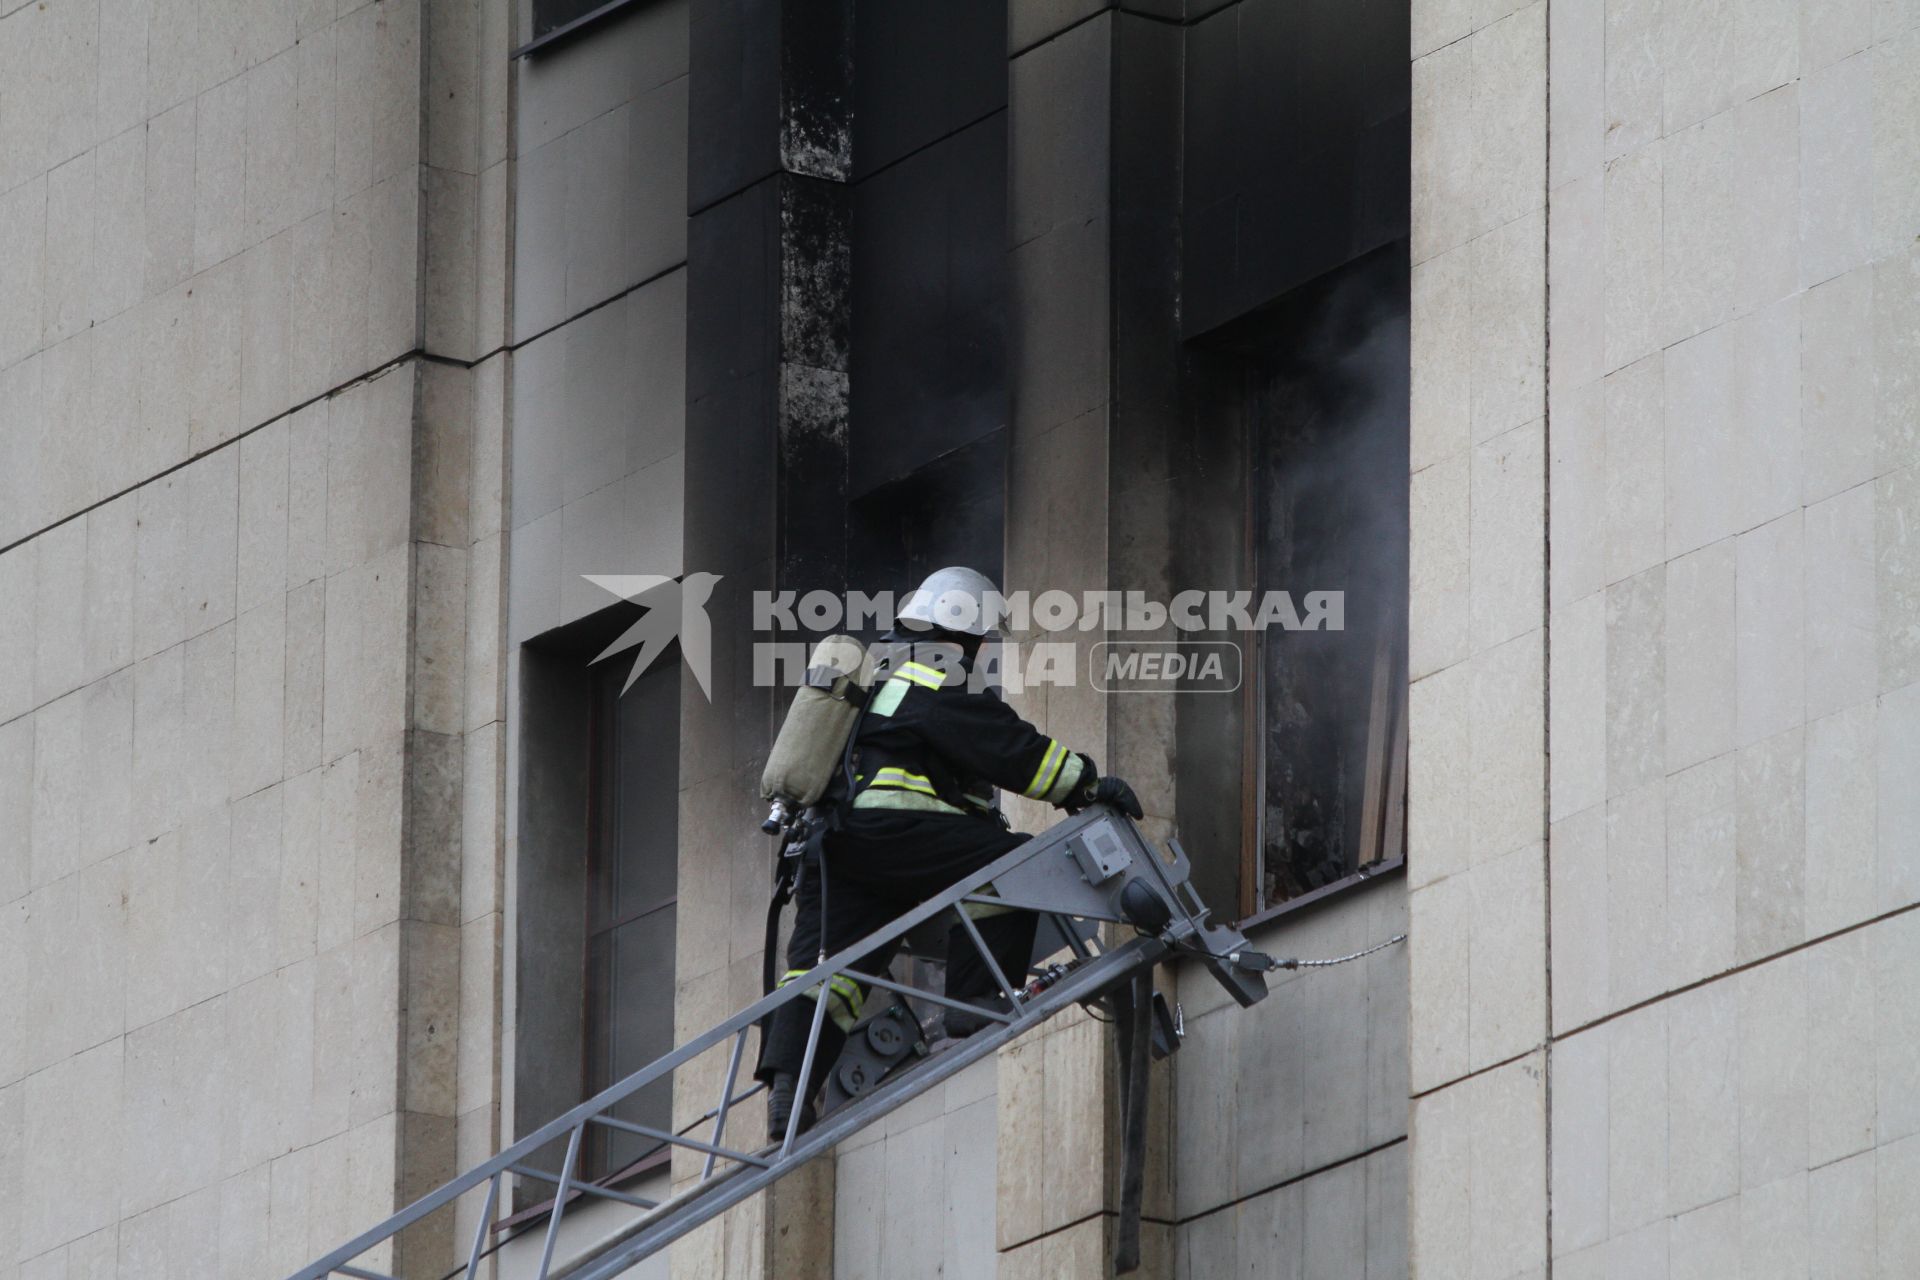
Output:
(1079, 869)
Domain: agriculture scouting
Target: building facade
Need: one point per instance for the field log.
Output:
(1577, 341)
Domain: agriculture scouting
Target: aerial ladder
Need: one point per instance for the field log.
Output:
(1092, 869)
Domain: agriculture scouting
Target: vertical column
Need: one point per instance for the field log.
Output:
(770, 146)
(451, 911)
(1477, 641)
(1092, 199)
(450, 972)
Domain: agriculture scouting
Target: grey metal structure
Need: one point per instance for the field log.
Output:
(1078, 869)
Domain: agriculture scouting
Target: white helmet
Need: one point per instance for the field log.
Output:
(954, 599)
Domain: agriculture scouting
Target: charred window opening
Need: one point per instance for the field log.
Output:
(1293, 285)
(1328, 483)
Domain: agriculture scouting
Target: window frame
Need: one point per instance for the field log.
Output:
(1253, 817)
(1251, 908)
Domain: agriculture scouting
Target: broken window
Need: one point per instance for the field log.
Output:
(1328, 471)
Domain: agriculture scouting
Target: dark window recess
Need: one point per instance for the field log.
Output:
(631, 883)
(929, 355)
(1297, 147)
(1328, 471)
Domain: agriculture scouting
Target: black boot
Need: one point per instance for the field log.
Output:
(960, 1024)
(780, 1096)
(783, 1051)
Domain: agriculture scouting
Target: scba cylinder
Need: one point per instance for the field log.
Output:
(813, 737)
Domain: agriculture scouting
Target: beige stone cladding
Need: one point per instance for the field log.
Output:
(1478, 641)
(1727, 279)
(250, 487)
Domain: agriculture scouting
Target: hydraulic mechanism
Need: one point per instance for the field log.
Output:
(1093, 868)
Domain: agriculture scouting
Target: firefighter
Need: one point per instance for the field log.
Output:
(932, 748)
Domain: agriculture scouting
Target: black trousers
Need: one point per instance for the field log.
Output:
(879, 866)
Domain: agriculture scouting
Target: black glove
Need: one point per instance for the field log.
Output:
(1111, 791)
(1118, 794)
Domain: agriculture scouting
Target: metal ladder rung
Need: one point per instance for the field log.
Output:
(705, 1148)
(1050, 875)
(707, 1200)
(584, 1188)
(919, 993)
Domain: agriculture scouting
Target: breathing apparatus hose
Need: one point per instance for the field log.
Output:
(784, 885)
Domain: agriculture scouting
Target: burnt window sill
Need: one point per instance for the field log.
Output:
(1385, 870)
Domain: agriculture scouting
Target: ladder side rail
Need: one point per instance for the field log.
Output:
(1040, 846)
(676, 1220)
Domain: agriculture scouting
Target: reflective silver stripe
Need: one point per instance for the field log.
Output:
(921, 674)
(1049, 769)
(894, 776)
(1070, 772)
(887, 700)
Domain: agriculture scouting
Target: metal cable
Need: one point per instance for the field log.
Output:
(1321, 964)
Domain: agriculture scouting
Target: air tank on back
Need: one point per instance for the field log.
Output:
(813, 737)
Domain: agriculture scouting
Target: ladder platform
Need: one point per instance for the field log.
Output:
(1084, 868)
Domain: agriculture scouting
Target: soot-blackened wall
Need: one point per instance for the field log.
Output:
(926, 465)
(1297, 145)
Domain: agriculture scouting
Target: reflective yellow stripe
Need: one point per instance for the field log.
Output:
(895, 798)
(1049, 769)
(892, 776)
(849, 992)
(846, 994)
(921, 674)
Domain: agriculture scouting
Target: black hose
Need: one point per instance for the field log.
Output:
(820, 869)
